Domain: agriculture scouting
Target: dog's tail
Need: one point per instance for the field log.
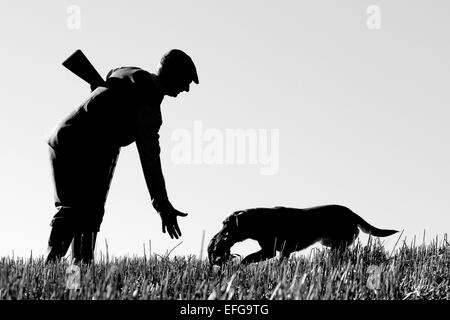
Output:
(368, 228)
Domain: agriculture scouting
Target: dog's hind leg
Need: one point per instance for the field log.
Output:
(341, 239)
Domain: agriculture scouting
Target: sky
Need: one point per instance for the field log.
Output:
(345, 102)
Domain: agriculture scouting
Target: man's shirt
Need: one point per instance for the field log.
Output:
(126, 110)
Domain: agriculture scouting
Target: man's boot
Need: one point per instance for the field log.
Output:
(83, 247)
(58, 242)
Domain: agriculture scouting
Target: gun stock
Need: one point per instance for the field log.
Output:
(79, 64)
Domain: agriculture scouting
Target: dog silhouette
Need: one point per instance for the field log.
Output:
(289, 229)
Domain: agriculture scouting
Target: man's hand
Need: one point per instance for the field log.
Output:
(169, 220)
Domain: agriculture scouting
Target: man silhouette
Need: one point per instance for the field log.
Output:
(84, 148)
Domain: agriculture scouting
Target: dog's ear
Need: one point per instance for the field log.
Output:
(232, 220)
(226, 222)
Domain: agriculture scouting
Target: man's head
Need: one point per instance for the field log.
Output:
(176, 72)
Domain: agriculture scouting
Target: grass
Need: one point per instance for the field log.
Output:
(360, 272)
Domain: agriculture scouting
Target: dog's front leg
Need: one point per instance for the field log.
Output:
(258, 256)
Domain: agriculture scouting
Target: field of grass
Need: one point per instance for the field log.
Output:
(361, 272)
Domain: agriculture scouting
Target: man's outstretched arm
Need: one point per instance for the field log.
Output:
(147, 142)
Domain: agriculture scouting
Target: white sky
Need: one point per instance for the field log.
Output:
(362, 114)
